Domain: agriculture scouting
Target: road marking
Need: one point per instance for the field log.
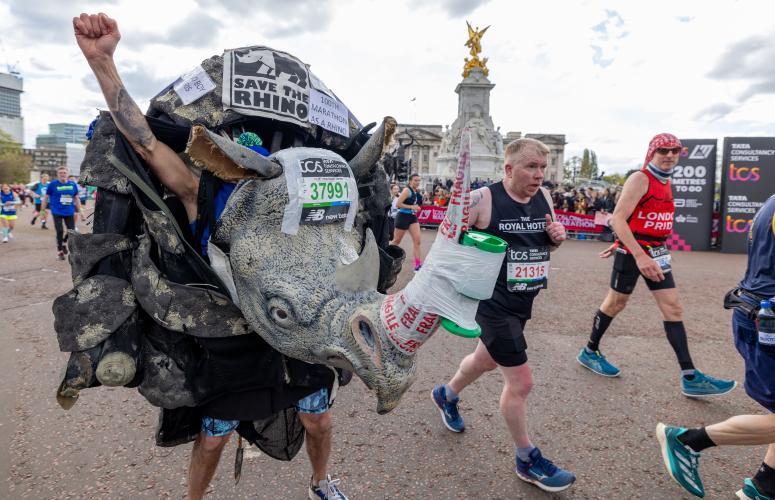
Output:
(7, 279)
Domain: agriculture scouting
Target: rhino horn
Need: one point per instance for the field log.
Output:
(371, 152)
(227, 159)
(363, 273)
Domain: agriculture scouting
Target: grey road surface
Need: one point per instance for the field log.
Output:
(602, 429)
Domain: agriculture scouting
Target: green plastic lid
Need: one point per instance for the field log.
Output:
(485, 242)
(458, 330)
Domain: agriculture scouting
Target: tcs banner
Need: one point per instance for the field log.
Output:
(748, 180)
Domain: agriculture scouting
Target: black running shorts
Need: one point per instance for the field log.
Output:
(504, 338)
(403, 221)
(626, 273)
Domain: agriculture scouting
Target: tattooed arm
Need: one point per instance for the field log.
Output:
(480, 209)
(97, 37)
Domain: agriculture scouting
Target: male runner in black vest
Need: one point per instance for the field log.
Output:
(519, 211)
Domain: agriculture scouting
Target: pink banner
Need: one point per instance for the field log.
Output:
(603, 218)
(431, 215)
(582, 223)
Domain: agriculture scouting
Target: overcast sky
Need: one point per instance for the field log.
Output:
(607, 74)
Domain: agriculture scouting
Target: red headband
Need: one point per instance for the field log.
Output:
(661, 141)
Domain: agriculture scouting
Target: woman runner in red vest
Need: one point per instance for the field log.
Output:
(643, 220)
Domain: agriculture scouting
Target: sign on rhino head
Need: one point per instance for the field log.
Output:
(304, 271)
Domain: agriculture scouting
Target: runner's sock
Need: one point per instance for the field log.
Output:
(676, 335)
(600, 324)
(524, 453)
(696, 439)
(764, 480)
(449, 394)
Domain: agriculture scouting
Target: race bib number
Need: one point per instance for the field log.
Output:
(661, 256)
(527, 268)
(65, 200)
(326, 190)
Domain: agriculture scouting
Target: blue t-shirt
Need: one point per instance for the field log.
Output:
(7, 198)
(221, 197)
(760, 275)
(61, 197)
(40, 190)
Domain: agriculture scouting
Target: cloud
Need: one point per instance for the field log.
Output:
(196, 29)
(42, 20)
(748, 59)
(684, 19)
(281, 19)
(141, 83)
(714, 112)
(608, 33)
(454, 8)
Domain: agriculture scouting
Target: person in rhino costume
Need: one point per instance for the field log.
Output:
(97, 37)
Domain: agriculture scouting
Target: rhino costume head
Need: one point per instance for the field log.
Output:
(311, 295)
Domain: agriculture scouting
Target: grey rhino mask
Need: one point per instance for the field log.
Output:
(312, 295)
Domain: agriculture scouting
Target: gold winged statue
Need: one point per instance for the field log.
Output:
(474, 43)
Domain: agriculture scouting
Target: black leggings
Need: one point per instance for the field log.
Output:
(69, 221)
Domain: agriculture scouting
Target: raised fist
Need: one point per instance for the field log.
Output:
(97, 35)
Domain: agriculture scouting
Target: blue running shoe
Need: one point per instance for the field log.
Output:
(328, 489)
(750, 492)
(543, 473)
(449, 413)
(704, 385)
(680, 460)
(597, 363)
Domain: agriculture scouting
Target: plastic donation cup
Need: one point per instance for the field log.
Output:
(489, 260)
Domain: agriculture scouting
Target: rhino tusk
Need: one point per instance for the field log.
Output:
(372, 151)
(363, 273)
(227, 159)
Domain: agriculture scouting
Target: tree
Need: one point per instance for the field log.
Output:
(588, 164)
(615, 179)
(14, 164)
(571, 168)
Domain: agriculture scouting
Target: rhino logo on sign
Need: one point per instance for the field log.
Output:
(269, 64)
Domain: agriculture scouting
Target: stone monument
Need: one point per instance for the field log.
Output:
(473, 111)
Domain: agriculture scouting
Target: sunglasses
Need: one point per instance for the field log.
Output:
(664, 151)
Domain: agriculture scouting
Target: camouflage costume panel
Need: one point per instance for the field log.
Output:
(90, 312)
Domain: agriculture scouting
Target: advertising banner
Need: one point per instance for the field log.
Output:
(748, 179)
(582, 223)
(694, 180)
(431, 215)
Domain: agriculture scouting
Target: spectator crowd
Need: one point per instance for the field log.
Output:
(580, 200)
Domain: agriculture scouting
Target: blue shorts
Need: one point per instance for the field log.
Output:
(316, 404)
(759, 361)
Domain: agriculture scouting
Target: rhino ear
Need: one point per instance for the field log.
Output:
(372, 151)
(227, 159)
(363, 273)
(219, 261)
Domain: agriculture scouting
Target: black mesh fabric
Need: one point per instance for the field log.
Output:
(279, 436)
